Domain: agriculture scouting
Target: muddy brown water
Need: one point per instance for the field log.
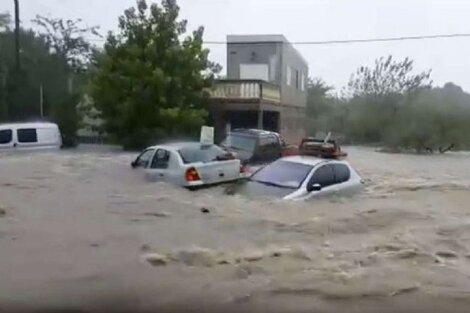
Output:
(81, 231)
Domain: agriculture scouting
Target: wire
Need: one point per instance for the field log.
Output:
(328, 42)
(331, 42)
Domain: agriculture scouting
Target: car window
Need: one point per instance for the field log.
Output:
(198, 153)
(161, 159)
(144, 158)
(240, 143)
(342, 173)
(27, 135)
(283, 173)
(6, 136)
(324, 176)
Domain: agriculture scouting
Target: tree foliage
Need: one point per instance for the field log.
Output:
(66, 38)
(42, 66)
(388, 77)
(150, 79)
(394, 108)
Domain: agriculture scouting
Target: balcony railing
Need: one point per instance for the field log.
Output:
(245, 90)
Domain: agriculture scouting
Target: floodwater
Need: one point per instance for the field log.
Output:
(81, 231)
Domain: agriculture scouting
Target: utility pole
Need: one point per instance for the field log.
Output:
(41, 101)
(4, 93)
(17, 34)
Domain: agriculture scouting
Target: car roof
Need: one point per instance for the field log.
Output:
(253, 132)
(178, 145)
(29, 125)
(310, 160)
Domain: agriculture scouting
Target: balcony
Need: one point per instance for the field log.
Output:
(245, 91)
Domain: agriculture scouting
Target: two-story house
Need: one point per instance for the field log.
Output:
(265, 87)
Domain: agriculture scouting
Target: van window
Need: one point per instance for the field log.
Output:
(27, 135)
(6, 136)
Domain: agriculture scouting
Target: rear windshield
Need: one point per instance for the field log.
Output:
(200, 153)
(283, 174)
(240, 143)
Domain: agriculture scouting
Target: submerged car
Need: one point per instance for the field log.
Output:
(188, 164)
(301, 178)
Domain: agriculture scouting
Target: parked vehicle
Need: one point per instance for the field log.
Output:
(254, 146)
(29, 136)
(188, 164)
(317, 171)
(301, 178)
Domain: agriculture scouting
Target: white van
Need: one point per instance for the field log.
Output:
(29, 136)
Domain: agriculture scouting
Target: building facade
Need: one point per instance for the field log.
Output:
(265, 87)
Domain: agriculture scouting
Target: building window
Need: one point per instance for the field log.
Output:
(289, 76)
(302, 83)
(297, 80)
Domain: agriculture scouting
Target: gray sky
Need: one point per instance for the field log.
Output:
(311, 20)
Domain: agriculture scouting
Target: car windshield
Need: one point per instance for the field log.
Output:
(199, 153)
(240, 143)
(283, 174)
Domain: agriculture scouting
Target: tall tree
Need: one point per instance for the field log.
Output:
(151, 78)
(68, 41)
(388, 77)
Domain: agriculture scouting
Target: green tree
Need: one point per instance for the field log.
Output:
(388, 77)
(66, 41)
(66, 38)
(19, 91)
(149, 82)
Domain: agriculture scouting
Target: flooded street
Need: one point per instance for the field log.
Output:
(81, 230)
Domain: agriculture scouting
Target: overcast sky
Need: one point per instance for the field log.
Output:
(311, 20)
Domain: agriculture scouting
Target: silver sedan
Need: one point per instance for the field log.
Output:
(188, 164)
(301, 178)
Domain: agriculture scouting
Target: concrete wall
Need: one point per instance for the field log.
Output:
(295, 94)
(292, 124)
(276, 52)
(268, 53)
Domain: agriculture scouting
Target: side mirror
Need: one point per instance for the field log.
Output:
(314, 187)
(134, 164)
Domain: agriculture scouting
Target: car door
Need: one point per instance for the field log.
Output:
(159, 168)
(275, 147)
(324, 176)
(265, 154)
(344, 185)
(6, 139)
(143, 160)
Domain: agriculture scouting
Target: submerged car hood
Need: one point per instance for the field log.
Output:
(255, 190)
